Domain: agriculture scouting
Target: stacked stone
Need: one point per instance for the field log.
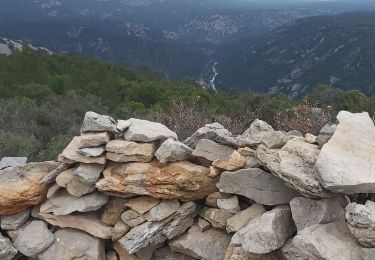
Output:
(128, 189)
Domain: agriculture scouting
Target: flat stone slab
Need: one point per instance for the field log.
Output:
(258, 185)
(6, 162)
(94, 122)
(346, 164)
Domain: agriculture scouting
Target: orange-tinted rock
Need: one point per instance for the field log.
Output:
(179, 180)
(19, 187)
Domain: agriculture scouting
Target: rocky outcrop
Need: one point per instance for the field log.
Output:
(129, 190)
(347, 162)
(19, 187)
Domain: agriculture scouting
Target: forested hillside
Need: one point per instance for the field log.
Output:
(43, 99)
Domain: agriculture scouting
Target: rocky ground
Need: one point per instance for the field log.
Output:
(128, 189)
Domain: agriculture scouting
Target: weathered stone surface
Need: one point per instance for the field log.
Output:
(267, 232)
(242, 218)
(34, 239)
(122, 125)
(208, 151)
(258, 185)
(91, 152)
(51, 176)
(52, 190)
(307, 212)
(218, 218)
(211, 199)
(74, 244)
(173, 151)
(347, 162)
(78, 188)
(179, 180)
(119, 230)
(214, 132)
(63, 203)
(112, 211)
(208, 245)
(361, 222)
(19, 186)
(132, 218)
(294, 163)
(237, 253)
(311, 139)
(126, 151)
(88, 173)
(203, 224)
(146, 131)
(275, 139)
(93, 140)
(89, 223)
(163, 210)
(70, 154)
(368, 253)
(230, 205)
(247, 151)
(7, 250)
(156, 233)
(142, 204)
(236, 161)
(257, 132)
(214, 172)
(94, 122)
(165, 253)
(328, 241)
(65, 177)
(7, 162)
(14, 221)
(324, 135)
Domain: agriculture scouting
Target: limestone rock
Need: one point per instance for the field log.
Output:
(311, 139)
(34, 239)
(146, 131)
(7, 162)
(91, 152)
(15, 221)
(122, 125)
(165, 253)
(78, 188)
(258, 185)
(257, 132)
(63, 203)
(94, 122)
(208, 245)
(163, 210)
(361, 222)
(203, 224)
(307, 212)
(119, 230)
(126, 151)
(368, 253)
(208, 151)
(71, 155)
(65, 177)
(156, 233)
(328, 241)
(88, 173)
(214, 172)
(230, 205)
(89, 223)
(346, 164)
(142, 204)
(89, 140)
(214, 132)
(74, 244)
(52, 190)
(267, 232)
(112, 211)
(211, 199)
(242, 218)
(7, 250)
(237, 253)
(247, 151)
(275, 139)
(132, 218)
(216, 217)
(19, 186)
(294, 164)
(173, 151)
(75, 184)
(179, 180)
(236, 161)
(324, 135)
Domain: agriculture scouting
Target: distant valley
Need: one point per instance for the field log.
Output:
(244, 45)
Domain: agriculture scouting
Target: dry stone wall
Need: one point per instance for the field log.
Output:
(129, 189)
